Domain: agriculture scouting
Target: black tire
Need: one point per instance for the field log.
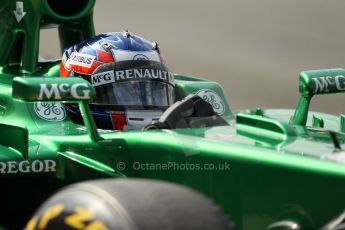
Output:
(129, 204)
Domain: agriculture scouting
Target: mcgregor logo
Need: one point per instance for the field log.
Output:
(102, 78)
(54, 91)
(36, 166)
(329, 83)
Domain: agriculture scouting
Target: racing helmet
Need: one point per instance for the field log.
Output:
(132, 82)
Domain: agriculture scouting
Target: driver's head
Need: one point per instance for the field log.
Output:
(133, 85)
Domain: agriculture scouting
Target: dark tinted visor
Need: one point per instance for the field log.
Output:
(133, 85)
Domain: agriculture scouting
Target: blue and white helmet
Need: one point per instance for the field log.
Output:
(132, 82)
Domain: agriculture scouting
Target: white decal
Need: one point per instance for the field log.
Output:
(121, 55)
(214, 99)
(19, 12)
(53, 92)
(137, 74)
(27, 166)
(140, 57)
(322, 83)
(50, 111)
(102, 78)
(81, 59)
(138, 119)
(86, 91)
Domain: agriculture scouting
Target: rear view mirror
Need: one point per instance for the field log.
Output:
(31, 89)
(324, 81)
(316, 82)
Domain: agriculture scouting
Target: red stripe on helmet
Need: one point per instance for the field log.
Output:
(119, 121)
(104, 57)
(63, 71)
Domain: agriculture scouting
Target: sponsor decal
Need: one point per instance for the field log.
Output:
(102, 78)
(140, 57)
(80, 59)
(325, 84)
(121, 55)
(53, 91)
(144, 74)
(50, 111)
(36, 166)
(214, 99)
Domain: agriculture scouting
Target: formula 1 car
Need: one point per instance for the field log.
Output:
(261, 168)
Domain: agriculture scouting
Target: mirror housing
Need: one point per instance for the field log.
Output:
(31, 89)
(316, 82)
(324, 81)
(73, 89)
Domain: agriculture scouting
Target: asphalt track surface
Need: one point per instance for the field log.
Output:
(254, 49)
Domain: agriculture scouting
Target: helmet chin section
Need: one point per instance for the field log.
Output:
(138, 119)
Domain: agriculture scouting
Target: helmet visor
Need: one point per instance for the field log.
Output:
(133, 85)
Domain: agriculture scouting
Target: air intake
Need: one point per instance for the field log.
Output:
(19, 36)
(62, 10)
(68, 8)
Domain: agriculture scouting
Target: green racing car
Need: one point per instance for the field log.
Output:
(196, 164)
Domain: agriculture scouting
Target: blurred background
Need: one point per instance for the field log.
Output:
(254, 49)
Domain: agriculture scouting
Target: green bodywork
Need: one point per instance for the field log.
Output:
(266, 166)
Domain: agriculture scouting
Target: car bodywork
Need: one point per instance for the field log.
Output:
(267, 168)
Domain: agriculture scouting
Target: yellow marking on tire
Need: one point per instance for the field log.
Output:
(31, 224)
(77, 219)
(50, 214)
